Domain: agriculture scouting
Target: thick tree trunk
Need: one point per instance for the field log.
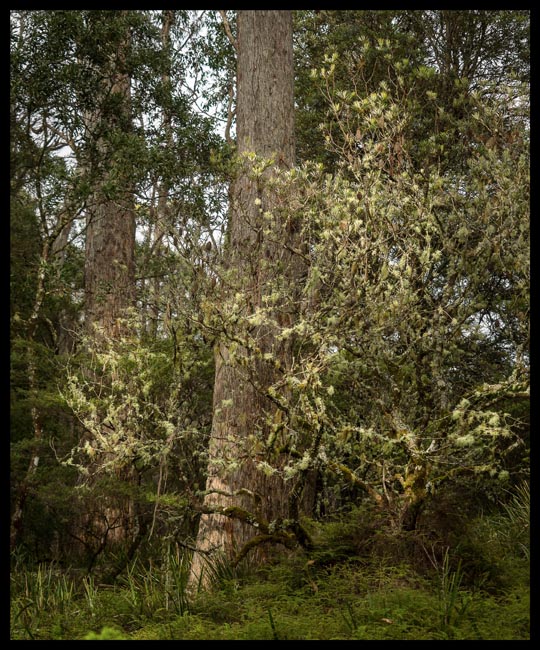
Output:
(248, 502)
(109, 273)
(109, 270)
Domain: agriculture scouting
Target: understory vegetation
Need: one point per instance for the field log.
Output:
(360, 581)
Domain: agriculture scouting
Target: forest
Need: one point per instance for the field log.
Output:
(269, 324)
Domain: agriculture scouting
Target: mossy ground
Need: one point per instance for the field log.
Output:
(344, 590)
(345, 603)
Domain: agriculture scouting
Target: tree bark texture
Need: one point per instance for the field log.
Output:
(252, 503)
(109, 272)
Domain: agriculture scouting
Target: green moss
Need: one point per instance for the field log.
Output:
(106, 634)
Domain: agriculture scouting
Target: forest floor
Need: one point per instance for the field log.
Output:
(342, 590)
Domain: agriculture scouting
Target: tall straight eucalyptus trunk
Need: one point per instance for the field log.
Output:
(242, 504)
(109, 271)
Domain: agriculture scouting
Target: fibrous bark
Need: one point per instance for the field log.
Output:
(109, 272)
(242, 406)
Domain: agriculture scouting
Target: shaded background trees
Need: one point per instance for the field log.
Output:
(71, 136)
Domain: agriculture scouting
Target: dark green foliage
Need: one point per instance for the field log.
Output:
(446, 53)
(24, 259)
(59, 65)
(318, 33)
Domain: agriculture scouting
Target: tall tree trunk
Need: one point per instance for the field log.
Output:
(241, 502)
(109, 272)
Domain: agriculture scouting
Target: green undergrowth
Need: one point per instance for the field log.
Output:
(356, 584)
(350, 600)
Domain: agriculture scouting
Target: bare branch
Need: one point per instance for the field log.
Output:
(230, 114)
(227, 26)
